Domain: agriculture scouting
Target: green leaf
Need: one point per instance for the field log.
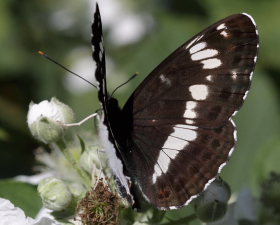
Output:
(182, 216)
(127, 216)
(267, 160)
(22, 195)
(82, 143)
(157, 216)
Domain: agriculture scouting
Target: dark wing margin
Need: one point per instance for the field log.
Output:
(182, 132)
(99, 54)
(107, 138)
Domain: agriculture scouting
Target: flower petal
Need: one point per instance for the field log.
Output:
(12, 215)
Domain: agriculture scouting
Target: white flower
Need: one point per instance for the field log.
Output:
(54, 109)
(46, 120)
(11, 215)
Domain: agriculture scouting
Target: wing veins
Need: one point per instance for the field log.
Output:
(191, 142)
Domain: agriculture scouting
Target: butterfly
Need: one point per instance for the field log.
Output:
(175, 133)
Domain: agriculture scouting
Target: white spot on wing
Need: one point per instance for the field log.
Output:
(100, 56)
(186, 134)
(207, 53)
(101, 47)
(193, 41)
(211, 63)
(164, 79)
(199, 91)
(171, 153)
(198, 47)
(221, 26)
(224, 33)
(189, 121)
(201, 36)
(191, 104)
(161, 166)
(174, 143)
(157, 172)
(163, 161)
(177, 141)
(209, 181)
(234, 75)
(209, 78)
(190, 113)
(184, 126)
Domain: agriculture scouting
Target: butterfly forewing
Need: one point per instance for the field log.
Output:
(99, 55)
(109, 118)
(209, 75)
(181, 132)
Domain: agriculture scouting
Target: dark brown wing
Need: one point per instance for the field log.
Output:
(181, 133)
(213, 69)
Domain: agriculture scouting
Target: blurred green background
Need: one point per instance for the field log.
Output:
(138, 36)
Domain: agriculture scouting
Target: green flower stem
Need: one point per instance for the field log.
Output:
(62, 146)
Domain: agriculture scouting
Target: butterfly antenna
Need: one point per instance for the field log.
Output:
(132, 77)
(63, 67)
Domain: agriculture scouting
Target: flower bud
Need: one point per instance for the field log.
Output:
(211, 205)
(90, 160)
(46, 120)
(77, 189)
(55, 194)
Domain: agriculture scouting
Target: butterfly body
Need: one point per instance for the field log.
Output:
(175, 133)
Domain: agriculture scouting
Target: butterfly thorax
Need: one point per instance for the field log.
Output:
(118, 121)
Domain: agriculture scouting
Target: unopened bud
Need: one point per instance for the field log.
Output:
(55, 194)
(211, 205)
(46, 120)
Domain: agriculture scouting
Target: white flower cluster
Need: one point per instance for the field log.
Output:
(12, 215)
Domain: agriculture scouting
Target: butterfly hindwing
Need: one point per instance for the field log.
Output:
(181, 133)
(171, 175)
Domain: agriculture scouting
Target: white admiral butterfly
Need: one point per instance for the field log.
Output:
(175, 132)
